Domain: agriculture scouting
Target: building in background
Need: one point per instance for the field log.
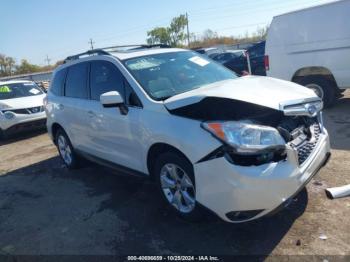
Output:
(36, 77)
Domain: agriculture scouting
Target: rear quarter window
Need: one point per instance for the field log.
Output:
(58, 82)
(76, 81)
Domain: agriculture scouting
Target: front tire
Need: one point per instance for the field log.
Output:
(176, 183)
(323, 87)
(66, 150)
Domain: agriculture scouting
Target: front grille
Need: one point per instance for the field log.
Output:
(17, 111)
(305, 148)
(36, 109)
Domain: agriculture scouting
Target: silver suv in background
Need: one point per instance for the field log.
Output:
(240, 147)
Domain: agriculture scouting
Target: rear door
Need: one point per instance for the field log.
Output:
(113, 136)
(76, 95)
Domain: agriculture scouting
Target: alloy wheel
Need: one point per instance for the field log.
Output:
(178, 188)
(65, 150)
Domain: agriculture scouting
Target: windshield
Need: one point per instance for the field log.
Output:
(15, 90)
(168, 74)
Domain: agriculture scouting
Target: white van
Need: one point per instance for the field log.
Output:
(312, 47)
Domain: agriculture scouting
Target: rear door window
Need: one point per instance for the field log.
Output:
(76, 82)
(105, 77)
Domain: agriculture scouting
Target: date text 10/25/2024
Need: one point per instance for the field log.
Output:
(173, 258)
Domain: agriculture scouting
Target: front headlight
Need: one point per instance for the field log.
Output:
(246, 138)
(9, 115)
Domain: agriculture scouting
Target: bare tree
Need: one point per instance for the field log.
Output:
(7, 65)
(10, 65)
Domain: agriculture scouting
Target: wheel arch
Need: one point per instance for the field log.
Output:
(54, 128)
(314, 71)
(158, 148)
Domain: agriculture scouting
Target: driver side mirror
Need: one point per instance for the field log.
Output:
(114, 99)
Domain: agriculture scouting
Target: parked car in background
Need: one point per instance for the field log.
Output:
(44, 85)
(208, 51)
(312, 47)
(257, 58)
(21, 107)
(237, 60)
(241, 147)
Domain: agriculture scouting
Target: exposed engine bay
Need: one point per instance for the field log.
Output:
(301, 132)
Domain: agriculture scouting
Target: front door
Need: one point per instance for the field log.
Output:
(114, 136)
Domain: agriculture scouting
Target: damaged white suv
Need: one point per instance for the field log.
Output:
(240, 147)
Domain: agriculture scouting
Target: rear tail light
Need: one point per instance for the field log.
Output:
(267, 62)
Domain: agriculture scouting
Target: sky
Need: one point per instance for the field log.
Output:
(34, 29)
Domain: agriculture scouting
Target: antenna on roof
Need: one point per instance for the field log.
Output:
(91, 44)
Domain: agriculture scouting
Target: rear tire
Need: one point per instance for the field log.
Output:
(324, 87)
(66, 150)
(175, 179)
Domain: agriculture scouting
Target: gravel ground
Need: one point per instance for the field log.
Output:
(46, 209)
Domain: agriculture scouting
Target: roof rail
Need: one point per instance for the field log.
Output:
(103, 51)
(141, 46)
(154, 46)
(87, 53)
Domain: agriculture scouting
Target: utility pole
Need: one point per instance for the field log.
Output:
(91, 43)
(47, 60)
(188, 32)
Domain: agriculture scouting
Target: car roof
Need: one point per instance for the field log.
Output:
(117, 54)
(308, 8)
(258, 44)
(14, 82)
(210, 48)
(234, 50)
(123, 55)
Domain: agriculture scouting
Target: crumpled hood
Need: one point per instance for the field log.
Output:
(23, 102)
(264, 91)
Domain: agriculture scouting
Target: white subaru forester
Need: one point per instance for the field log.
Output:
(240, 147)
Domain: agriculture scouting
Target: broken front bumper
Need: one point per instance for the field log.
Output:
(225, 188)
